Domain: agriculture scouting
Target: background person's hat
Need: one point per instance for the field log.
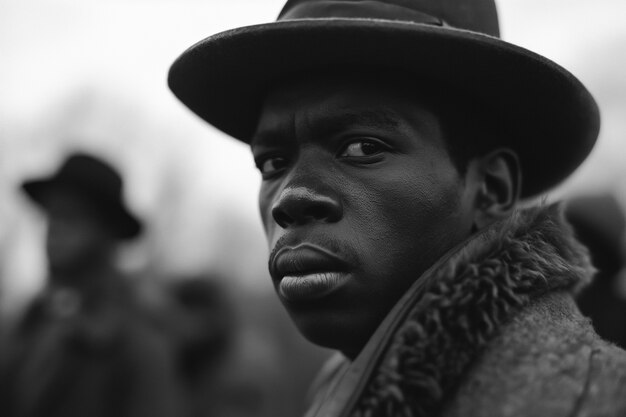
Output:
(552, 119)
(94, 180)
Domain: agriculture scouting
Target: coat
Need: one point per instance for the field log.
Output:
(104, 358)
(491, 330)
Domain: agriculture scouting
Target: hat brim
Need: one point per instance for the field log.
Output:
(124, 224)
(555, 120)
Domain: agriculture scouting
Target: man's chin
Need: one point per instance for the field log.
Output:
(334, 330)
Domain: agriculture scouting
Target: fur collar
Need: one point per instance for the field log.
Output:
(415, 360)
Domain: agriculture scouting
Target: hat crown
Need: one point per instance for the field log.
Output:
(474, 15)
(91, 172)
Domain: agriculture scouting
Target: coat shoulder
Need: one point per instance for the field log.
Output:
(605, 387)
(547, 361)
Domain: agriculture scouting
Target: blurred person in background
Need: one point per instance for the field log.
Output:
(599, 223)
(85, 346)
(396, 139)
(203, 328)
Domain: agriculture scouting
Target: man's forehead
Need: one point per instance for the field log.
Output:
(338, 99)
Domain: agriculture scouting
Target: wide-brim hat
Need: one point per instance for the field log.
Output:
(551, 118)
(97, 183)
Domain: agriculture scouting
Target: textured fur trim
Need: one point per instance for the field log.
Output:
(467, 299)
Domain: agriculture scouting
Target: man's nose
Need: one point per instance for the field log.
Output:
(299, 205)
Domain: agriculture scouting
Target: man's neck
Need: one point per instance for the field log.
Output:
(85, 278)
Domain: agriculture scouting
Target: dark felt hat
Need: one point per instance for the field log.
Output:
(552, 118)
(97, 182)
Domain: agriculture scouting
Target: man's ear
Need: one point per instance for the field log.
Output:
(497, 184)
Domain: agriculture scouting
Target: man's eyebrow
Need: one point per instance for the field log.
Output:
(341, 120)
(368, 118)
(263, 138)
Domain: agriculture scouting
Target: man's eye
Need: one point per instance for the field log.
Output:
(362, 148)
(272, 165)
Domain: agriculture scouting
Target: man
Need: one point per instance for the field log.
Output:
(395, 139)
(599, 223)
(85, 346)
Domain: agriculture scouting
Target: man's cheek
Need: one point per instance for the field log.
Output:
(265, 210)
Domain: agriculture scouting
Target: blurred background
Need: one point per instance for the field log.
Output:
(90, 75)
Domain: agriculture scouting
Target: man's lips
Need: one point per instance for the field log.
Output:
(307, 271)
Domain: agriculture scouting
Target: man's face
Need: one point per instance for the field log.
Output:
(359, 197)
(76, 234)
